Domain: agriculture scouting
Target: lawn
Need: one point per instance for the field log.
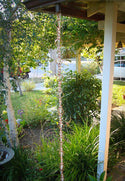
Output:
(30, 98)
(118, 93)
(33, 106)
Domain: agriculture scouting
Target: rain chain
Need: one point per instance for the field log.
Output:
(60, 91)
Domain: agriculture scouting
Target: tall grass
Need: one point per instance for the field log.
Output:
(117, 138)
(80, 155)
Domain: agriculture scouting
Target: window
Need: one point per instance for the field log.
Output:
(117, 64)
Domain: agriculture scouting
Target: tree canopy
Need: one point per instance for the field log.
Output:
(78, 33)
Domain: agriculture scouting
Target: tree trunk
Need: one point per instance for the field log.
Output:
(10, 112)
(18, 84)
(78, 60)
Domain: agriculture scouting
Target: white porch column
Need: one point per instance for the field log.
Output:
(108, 69)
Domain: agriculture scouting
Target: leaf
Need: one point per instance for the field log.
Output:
(109, 179)
(102, 176)
(91, 178)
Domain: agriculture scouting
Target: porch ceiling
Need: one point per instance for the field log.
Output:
(84, 9)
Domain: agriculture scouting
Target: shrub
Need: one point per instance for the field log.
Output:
(21, 167)
(50, 82)
(80, 93)
(28, 85)
(80, 155)
(50, 91)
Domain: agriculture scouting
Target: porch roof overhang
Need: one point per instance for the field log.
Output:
(84, 9)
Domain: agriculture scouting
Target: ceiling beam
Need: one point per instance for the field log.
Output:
(120, 27)
(121, 6)
(34, 4)
(94, 8)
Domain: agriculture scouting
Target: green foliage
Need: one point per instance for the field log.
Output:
(91, 67)
(95, 54)
(80, 93)
(118, 92)
(2, 131)
(14, 85)
(2, 101)
(36, 112)
(80, 154)
(31, 35)
(119, 82)
(48, 157)
(91, 178)
(28, 85)
(50, 91)
(21, 167)
(50, 82)
(3, 116)
(77, 33)
(117, 138)
(117, 130)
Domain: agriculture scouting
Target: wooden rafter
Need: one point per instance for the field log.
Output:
(94, 8)
(120, 27)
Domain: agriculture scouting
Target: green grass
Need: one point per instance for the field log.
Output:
(19, 102)
(34, 104)
(119, 83)
(118, 92)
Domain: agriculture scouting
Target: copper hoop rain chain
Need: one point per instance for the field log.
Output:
(59, 62)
